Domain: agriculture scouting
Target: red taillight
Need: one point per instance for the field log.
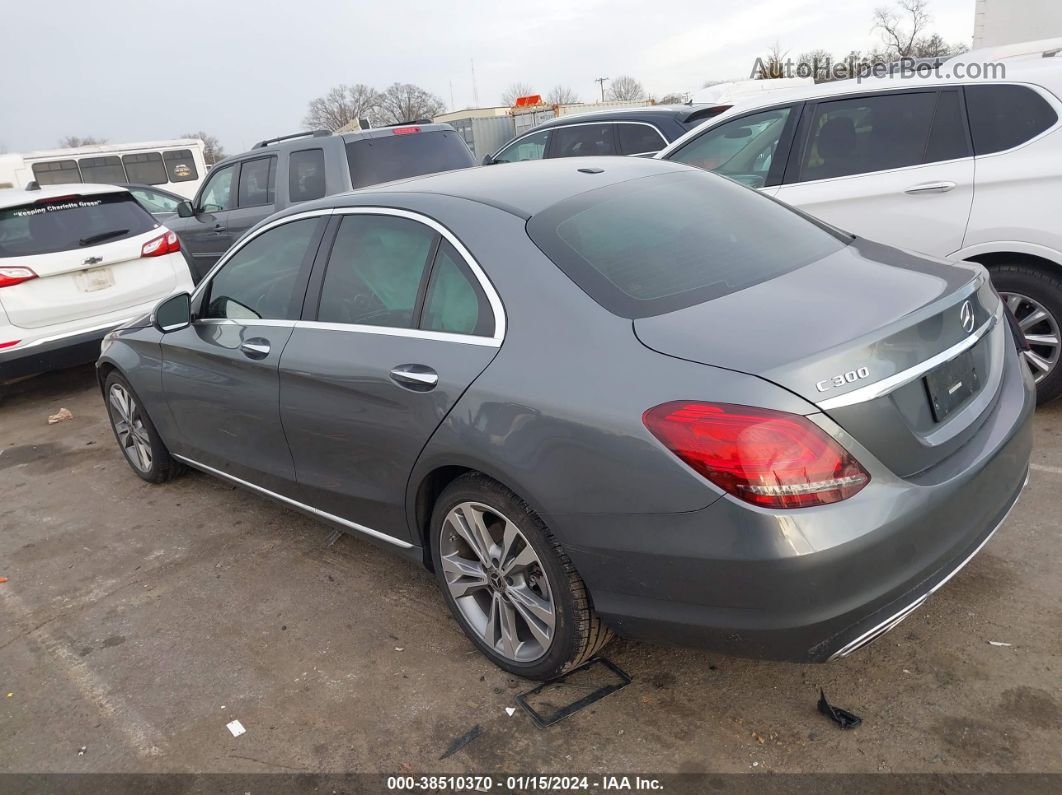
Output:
(163, 244)
(10, 344)
(13, 274)
(405, 130)
(768, 458)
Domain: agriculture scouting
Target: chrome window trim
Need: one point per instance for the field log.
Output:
(553, 127)
(497, 308)
(904, 377)
(315, 511)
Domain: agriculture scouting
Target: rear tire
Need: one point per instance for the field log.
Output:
(135, 433)
(1032, 293)
(509, 583)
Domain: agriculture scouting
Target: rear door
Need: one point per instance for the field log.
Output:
(206, 235)
(895, 167)
(402, 324)
(220, 373)
(85, 251)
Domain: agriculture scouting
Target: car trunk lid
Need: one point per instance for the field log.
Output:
(879, 347)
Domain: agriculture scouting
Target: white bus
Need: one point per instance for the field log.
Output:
(176, 165)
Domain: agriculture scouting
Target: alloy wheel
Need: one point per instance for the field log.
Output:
(1041, 332)
(497, 581)
(129, 427)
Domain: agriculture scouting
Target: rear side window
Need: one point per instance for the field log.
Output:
(145, 168)
(72, 222)
(256, 182)
(180, 165)
(634, 139)
(865, 134)
(455, 302)
(375, 270)
(258, 282)
(1002, 117)
(948, 140)
(107, 169)
(583, 139)
(662, 243)
(306, 175)
(58, 172)
(401, 155)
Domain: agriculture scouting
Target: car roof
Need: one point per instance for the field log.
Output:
(13, 197)
(522, 189)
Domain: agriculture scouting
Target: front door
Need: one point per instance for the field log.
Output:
(894, 167)
(403, 326)
(220, 373)
(206, 235)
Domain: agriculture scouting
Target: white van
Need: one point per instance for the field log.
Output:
(176, 165)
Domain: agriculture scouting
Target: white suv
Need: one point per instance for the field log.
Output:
(959, 168)
(75, 262)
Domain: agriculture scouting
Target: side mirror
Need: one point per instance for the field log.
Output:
(173, 314)
(488, 160)
(185, 210)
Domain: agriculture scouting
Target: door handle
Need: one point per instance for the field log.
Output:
(417, 377)
(219, 228)
(931, 187)
(255, 348)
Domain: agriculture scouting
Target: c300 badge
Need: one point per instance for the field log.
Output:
(843, 379)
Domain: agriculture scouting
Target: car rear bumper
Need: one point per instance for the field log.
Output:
(56, 352)
(812, 584)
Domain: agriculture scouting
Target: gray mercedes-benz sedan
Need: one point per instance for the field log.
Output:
(598, 395)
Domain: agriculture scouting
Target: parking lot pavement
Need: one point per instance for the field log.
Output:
(139, 620)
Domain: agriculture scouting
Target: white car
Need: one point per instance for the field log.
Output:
(75, 262)
(968, 169)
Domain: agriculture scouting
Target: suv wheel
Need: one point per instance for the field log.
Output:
(136, 436)
(509, 584)
(1034, 296)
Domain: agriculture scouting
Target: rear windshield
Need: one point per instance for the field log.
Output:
(70, 222)
(657, 244)
(376, 160)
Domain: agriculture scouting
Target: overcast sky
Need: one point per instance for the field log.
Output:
(134, 70)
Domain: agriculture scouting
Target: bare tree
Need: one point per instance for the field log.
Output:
(674, 98)
(403, 102)
(517, 89)
(901, 26)
(772, 67)
(74, 141)
(562, 95)
(212, 148)
(625, 88)
(815, 64)
(341, 106)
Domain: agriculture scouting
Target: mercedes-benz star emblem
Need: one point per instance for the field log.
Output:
(966, 316)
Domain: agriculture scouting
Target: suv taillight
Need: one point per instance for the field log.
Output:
(15, 274)
(768, 458)
(166, 243)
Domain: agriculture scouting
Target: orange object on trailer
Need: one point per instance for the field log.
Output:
(529, 101)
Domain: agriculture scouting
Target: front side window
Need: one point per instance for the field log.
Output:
(180, 165)
(306, 175)
(145, 168)
(530, 147)
(742, 149)
(217, 194)
(57, 172)
(256, 182)
(867, 134)
(455, 302)
(582, 140)
(1002, 117)
(374, 271)
(153, 201)
(636, 139)
(107, 169)
(258, 282)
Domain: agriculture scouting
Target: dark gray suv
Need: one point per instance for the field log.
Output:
(281, 172)
(601, 394)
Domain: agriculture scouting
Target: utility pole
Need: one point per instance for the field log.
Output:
(601, 82)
